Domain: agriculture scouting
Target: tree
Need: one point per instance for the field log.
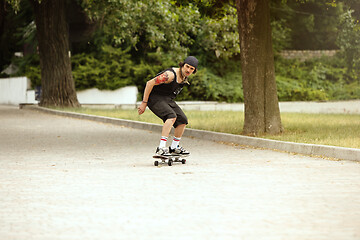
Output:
(349, 43)
(262, 114)
(58, 88)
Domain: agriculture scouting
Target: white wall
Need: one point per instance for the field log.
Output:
(15, 91)
(126, 95)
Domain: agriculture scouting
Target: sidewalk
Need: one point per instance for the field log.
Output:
(66, 178)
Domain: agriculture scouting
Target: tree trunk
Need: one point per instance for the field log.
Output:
(2, 16)
(57, 83)
(262, 114)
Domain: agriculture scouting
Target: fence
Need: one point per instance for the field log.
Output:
(304, 55)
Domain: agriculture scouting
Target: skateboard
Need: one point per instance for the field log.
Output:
(169, 159)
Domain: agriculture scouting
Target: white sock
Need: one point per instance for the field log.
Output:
(163, 142)
(175, 142)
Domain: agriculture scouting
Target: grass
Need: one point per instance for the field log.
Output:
(341, 130)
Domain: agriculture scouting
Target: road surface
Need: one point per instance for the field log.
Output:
(65, 178)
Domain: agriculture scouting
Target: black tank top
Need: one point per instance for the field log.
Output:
(168, 89)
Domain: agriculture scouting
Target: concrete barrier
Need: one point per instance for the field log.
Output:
(16, 90)
(125, 95)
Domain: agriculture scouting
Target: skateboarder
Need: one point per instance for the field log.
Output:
(159, 95)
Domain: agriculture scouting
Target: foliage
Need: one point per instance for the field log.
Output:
(280, 35)
(218, 39)
(207, 86)
(313, 22)
(292, 90)
(130, 47)
(162, 28)
(160, 37)
(29, 66)
(15, 30)
(108, 70)
(317, 79)
(150, 26)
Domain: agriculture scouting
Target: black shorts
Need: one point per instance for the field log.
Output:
(165, 108)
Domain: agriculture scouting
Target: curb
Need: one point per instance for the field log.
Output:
(340, 153)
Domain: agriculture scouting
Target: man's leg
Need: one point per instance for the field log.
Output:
(175, 148)
(180, 125)
(168, 124)
(179, 130)
(166, 131)
(162, 150)
(160, 107)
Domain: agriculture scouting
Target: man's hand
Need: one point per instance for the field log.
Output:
(142, 107)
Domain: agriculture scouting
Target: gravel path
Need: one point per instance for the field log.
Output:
(64, 178)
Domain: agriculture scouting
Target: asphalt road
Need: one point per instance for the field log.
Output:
(65, 178)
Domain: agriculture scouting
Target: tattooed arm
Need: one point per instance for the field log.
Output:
(165, 77)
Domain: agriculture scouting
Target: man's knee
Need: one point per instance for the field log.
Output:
(181, 119)
(172, 120)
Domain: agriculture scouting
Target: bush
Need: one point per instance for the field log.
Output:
(111, 69)
(317, 79)
(342, 91)
(293, 90)
(29, 66)
(207, 86)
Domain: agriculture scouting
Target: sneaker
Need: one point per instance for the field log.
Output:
(162, 151)
(179, 150)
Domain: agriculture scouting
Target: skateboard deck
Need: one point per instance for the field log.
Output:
(169, 159)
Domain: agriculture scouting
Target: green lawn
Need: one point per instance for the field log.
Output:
(327, 129)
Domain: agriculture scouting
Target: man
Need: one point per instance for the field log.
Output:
(159, 95)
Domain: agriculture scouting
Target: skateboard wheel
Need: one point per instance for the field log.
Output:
(170, 162)
(183, 161)
(156, 163)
